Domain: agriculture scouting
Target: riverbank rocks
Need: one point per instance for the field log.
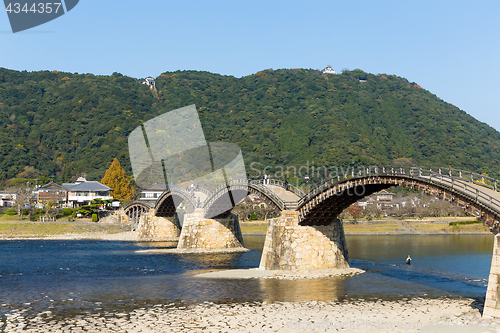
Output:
(210, 234)
(290, 246)
(157, 228)
(415, 315)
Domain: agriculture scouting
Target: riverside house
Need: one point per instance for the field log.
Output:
(53, 192)
(7, 199)
(82, 192)
(152, 192)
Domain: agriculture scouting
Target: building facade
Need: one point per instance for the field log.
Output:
(52, 192)
(82, 192)
(7, 199)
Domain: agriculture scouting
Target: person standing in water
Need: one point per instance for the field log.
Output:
(408, 260)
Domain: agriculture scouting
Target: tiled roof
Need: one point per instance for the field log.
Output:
(88, 186)
(52, 185)
(155, 187)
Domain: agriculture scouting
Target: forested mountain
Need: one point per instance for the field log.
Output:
(63, 124)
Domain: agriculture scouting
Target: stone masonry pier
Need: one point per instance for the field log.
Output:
(156, 228)
(492, 302)
(208, 235)
(290, 246)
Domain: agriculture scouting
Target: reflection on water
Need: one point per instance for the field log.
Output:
(303, 290)
(213, 262)
(92, 276)
(163, 245)
(254, 242)
(469, 255)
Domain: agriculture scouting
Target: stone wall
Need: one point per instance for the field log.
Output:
(115, 217)
(290, 246)
(492, 303)
(210, 234)
(156, 228)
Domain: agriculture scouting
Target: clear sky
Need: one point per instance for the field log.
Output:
(451, 48)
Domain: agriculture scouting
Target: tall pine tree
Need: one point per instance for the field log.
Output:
(117, 179)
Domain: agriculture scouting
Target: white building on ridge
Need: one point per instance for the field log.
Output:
(150, 82)
(328, 70)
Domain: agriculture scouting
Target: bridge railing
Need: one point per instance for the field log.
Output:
(187, 192)
(458, 180)
(280, 183)
(464, 186)
(260, 187)
(270, 194)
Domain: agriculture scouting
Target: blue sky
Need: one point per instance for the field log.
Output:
(450, 48)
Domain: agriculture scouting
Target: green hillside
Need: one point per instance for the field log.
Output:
(63, 124)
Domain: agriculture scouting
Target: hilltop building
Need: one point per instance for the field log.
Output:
(150, 82)
(328, 70)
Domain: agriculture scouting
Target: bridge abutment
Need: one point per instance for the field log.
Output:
(492, 303)
(157, 228)
(290, 246)
(218, 233)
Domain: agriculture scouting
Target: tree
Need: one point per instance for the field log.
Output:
(23, 192)
(29, 172)
(47, 208)
(93, 207)
(117, 179)
(355, 211)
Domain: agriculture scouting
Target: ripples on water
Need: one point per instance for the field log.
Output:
(81, 276)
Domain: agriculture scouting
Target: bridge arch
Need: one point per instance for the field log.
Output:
(225, 198)
(169, 201)
(134, 210)
(325, 203)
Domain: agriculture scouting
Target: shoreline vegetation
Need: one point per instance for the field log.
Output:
(62, 229)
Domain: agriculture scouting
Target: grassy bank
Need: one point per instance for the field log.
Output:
(392, 226)
(38, 229)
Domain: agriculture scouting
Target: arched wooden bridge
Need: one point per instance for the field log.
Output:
(476, 194)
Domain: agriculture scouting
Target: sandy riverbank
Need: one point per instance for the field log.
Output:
(279, 274)
(407, 315)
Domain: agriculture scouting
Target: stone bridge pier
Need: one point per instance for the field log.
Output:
(218, 233)
(158, 228)
(290, 246)
(492, 302)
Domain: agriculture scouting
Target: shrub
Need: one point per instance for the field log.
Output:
(463, 223)
(94, 217)
(253, 217)
(11, 211)
(25, 212)
(67, 211)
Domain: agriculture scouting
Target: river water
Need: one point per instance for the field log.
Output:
(80, 276)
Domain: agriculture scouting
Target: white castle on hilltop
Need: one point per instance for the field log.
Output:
(328, 70)
(150, 82)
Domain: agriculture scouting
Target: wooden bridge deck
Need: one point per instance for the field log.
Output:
(282, 193)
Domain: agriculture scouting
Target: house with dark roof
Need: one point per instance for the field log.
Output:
(82, 192)
(53, 192)
(152, 192)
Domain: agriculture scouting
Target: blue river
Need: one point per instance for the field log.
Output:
(81, 276)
